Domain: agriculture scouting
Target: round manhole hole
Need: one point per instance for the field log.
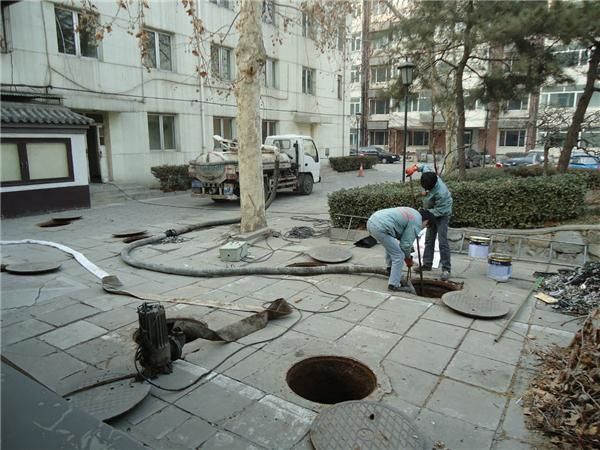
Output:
(331, 379)
(435, 288)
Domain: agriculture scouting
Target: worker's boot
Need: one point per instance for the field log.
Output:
(421, 269)
(406, 289)
(445, 275)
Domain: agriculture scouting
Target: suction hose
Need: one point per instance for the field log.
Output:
(129, 259)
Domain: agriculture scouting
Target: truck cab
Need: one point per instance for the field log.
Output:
(303, 152)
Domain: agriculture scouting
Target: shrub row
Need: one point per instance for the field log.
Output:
(172, 178)
(348, 163)
(505, 202)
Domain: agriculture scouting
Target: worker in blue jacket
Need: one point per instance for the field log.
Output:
(396, 229)
(438, 201)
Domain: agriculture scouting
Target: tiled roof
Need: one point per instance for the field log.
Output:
(39, 114)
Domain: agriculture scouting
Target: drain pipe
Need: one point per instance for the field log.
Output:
(129, 259)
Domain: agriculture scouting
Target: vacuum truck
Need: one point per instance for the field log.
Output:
(216, 174)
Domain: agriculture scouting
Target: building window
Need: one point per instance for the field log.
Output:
(355, 74)
(35, 161)
(418, 138)
(268, 11)
(571, 56)
(561, 96)
(223, 126)
(381, 40)
(308, 28)
(220, 60)
(518, 105)
(380, 74)
(339, 87)
(159, 50)
(270, 73)
(73, 37)
(378, 137)
(379, 106)
(419, 102)
(308, 80)
(161, 131)
(512, 138)
(269, 128)
(590, 139)
(353, 137)
(223, 3)
(355, 106)
(355, 42)
(467, 138)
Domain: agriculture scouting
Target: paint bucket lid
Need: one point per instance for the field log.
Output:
(480, 240)
(497, 257)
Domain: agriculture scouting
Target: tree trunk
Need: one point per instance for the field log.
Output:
(584, 100)
(250, 58)
(531, 132)
(365, 73)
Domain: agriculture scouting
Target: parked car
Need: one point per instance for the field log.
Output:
(473, 158)
(584, 162)
(531, 158)
(373, 150)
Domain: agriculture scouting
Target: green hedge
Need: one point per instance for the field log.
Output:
(348, 163)
(509, 202)
(172, 178)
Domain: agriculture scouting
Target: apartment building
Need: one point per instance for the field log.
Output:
(159, 111)
(385, 122)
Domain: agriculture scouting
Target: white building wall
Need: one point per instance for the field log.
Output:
(118, 87)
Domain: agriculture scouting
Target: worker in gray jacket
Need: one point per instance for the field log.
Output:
(396, 229)
(438, 201)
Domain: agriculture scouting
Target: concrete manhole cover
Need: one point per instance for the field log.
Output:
(32, 268)
(128, 233)
(330, 254)
(110, 400)
(474, 305)
(365, 425)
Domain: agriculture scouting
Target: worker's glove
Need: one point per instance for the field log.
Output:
(408, 261)
(412, 170)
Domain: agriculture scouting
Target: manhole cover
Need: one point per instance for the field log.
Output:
(66, 218)
(474, 305)
(128, 233)
(366, 425)
(54, 223)
(434, 288)
(330, 254)
(110, 400)
(32, 268)
(331, 379)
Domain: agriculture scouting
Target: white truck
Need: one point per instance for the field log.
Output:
(216, 174)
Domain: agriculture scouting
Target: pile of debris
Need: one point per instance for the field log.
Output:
(564, 398)
(577, 291)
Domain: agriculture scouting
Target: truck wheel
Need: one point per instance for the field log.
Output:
(305, 184)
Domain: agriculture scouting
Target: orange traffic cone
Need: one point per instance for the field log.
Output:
(361, 171)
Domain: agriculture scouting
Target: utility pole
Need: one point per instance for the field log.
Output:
(365, 71)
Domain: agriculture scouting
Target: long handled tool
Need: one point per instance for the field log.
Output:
(418, 246)
(538, 283)
(409, 282)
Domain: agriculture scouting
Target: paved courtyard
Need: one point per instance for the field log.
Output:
(440, 368)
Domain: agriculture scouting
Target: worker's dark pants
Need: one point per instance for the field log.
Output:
(439, 228)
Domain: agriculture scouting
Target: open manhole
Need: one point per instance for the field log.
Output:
(331, 379)
(434, 288)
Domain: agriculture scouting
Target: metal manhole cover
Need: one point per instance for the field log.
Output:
(475, 305)
(110, 400)
(127, 233)
(66, 217)
(365, 425)
(330, 254)
(32, 268)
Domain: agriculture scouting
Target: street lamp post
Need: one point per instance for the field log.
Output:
(358, 127)
(406, 77)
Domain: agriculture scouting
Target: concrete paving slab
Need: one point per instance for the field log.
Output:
(366, 297)
(370, 340)
(103, 348)
(456, 434)
(421, 355)
(229, 441)
(12, 316)
(73, 334)
(220, 398)
(160, 424)
(69, 314)
(479, 371)
(441, 313)
(411, 385)
(323, 326)
(396, 401)
(191, 433)
(394, 322)
(409, 305)
(272, 422)
(437, 333)
(149, 406)
(467, 403)
(116, 318)
(353, 313)
(184, 379)
(23, 330)
(507, 350)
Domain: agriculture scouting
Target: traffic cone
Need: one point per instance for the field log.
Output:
(361, 171)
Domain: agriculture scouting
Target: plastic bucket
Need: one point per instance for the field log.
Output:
(499, 267)
(479, 246)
